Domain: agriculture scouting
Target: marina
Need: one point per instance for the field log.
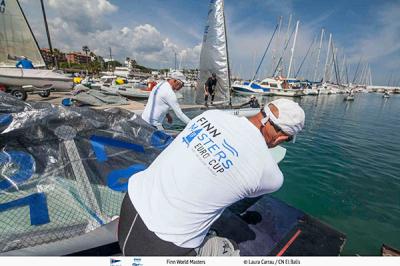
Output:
(74, 137)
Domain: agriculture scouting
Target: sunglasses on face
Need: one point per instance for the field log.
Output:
(180, 81)
(276, 127)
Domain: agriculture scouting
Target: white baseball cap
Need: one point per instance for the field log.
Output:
(291, 116)
(177, 75)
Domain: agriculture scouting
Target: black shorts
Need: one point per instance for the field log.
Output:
(136, 240)
(210, 90)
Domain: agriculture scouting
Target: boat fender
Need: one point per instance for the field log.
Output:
(66, 102)
(151, 85)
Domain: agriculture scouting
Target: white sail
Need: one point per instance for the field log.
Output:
(16, 37)
(214, 53)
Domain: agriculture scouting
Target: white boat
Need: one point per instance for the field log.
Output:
(250, 88)
(18, 77)
(18, 40)
(323, 89)
(282, 88)
(126, 91)
(310, 91)
(349, 97)
(124, 72)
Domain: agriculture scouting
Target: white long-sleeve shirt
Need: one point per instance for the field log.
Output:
(161, 99)
(217, 160)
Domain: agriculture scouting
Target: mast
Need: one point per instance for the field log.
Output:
(48, 35)
(331, 64)
(287, 39)
(265, 52)
(110, 64)
(342, 67)
(276, 70)
(305, 57)
(347, 75)
(362, 75)
(275, 50)
(292, 50)
(319, 53)
(288, 28)
(370, 77)
(335, 64)
(327, 57)
(227, 56)
(355, 73)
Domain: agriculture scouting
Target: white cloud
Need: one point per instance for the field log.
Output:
(382, 42)
(84, 16)
(74, 23)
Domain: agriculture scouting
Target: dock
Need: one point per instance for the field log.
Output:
(133, 106)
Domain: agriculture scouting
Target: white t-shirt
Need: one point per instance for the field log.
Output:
(161, 99)
(217, 160)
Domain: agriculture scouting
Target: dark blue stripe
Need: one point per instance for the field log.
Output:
(23, 161)
(98, 143)
(37, 207)
(115, 180)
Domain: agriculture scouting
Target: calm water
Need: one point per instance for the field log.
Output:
(344, 167)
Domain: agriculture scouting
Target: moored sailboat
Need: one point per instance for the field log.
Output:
(214, 58)
(17, 41)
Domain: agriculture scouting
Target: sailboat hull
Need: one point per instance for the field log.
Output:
(128, 92)
(287, 92)
(250, 89)
(36, 77)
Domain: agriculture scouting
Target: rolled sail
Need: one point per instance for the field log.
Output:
(214, 54)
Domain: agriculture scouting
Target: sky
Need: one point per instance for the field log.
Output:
(152, 31)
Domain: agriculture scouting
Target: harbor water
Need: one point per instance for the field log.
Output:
(344, 167)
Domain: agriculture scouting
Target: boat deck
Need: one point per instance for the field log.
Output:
(269, 227)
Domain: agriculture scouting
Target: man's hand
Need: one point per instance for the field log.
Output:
(205, 91)
(169, 118)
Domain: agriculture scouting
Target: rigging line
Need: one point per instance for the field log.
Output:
(283, 52)
(304, 59)
(265, 52)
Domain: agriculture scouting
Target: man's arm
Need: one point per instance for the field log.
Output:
(173, 103)
(244, 104)
(18, 64)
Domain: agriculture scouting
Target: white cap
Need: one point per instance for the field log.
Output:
(177, 75)
(291, 116)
